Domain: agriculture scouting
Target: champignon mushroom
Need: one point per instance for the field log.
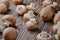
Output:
(8, 20)
(10, 33)
(57, 17)
(33, 7)
(17, 1)
(3, 8)
(46, 3)
(6, 2)
(44, 36)
(21, 9)
(32, 24)
(28, 16)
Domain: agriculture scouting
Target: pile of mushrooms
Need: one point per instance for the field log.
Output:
(43, 36)
(4, 5)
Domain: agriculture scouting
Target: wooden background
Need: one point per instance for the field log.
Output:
(24, 33)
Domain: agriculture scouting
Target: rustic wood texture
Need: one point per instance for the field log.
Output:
(24, 33)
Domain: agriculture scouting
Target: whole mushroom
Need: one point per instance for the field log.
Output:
(3, 8)
(10, 33)
(28, 16)
(57, 17)
(17, 1)
(48, 12)
(32, 24)
(46, 3)
(6, 2)
(8, 20)
(21, 9)
(43, 36)
(33, 7)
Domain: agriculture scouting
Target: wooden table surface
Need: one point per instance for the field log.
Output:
(24, 33)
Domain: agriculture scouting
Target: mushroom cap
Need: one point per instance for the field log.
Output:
(44, 36)
(6, 2)
(57, 18)
(33, 7)
(3, 8)
(21, 9)
(46, 2)
(32, 24)
(47, 13)
(28, 16)
(10, 33)
(17, 1)
(9, 18)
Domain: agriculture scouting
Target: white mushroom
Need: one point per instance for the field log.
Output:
(32, 24)
(10, 33)
(28, 16)
(3, 8)
(8, 20)
(17, 1)
(21, 9)
(33, 7)
(44, 36)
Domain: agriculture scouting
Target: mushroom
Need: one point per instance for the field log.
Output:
(17, 1)
(21, 9)
(48, 12)
(46, 3)
(10, 33)
(3, 8)
(32, 24)
(8, 20)
(6, 2)
(56, 28)
(57, 36)
(33, 7)
(43, 36)
(57, 17)
(28, 16)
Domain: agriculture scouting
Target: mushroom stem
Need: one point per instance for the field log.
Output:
(7, 23)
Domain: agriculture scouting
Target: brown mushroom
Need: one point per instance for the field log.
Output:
(32, 24)
(44, 36)
(10, 33)
(21, 9)
(28, 16)
(17, 1)
(48, 12)
(46, 3)
(33, 7)
(6, 2)
(8, 20)
(57, 17)
(3, 8)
